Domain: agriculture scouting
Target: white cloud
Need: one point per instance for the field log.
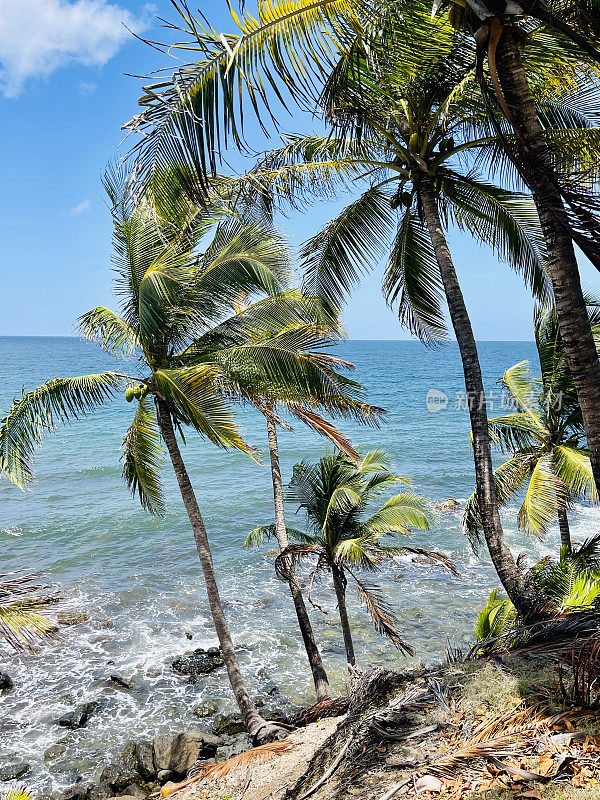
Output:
(38, 37)
(80, 208)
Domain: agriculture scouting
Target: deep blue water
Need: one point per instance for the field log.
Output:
(139, 578)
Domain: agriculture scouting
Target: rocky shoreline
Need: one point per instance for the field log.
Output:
(146, 765)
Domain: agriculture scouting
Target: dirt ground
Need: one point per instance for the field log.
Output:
(269, 780)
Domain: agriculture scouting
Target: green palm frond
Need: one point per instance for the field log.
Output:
(574, 469)
(505, 221)
(495, 618)
(143, 458)
(509, 479)
(17, 793)
(399, 514)
(523, 389)
(348, 246)
(264, 533)
(35, 413)
(412, 281)
(545, 494)
(22, 622)
(108, 329)
(192, 394)
(517, 431)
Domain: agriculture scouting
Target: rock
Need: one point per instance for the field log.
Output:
(100, 792)
(6, 682)
(77, 792)
(79, 716)
(119, 681)
(118, 776)
(135, 791)
(12, 772)
(144, 760)
(54, 751)
(179, 753)
(71, 618)
(206, 709)
(228, 724)
(166, 776)
(200, 662)
(447, 505)
(189, 635)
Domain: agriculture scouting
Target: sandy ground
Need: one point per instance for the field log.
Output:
(270, 780)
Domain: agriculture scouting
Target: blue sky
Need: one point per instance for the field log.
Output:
(63, 98)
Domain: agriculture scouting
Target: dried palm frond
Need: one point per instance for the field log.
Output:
(451, 765)
(242, 761)
(334, 707)
(439, 558)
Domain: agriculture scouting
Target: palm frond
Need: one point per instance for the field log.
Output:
(143, 458)
(22, 622)
(412, 281)
(41, 410)
(383, 618)
(348, 246)
(544, 496)
(108, 329)
(575, 470)
(193, 396)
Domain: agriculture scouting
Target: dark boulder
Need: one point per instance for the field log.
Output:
(6, 682)
(118, 776)
(200, 662)
(14, 771)
(77, 792)
(228, 724)
(79, 716)
(144, 760)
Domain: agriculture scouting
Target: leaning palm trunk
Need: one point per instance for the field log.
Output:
(504, 563)
(321, 681)
(563, 524)
(340, 592)
(260, 730)
(536, 166)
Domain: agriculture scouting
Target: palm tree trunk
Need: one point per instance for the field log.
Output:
(320, 679)
(563, 524)
(340, 592)
(259, 729)
(504, 563)
(574, 324)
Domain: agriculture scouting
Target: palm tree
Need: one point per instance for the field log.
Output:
(569, 33)
(339, 396)
(176, 314)
(544, 436)
(22, 621)
(345, 532)
(412, 140)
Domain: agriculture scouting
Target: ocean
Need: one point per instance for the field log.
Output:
(139, 580)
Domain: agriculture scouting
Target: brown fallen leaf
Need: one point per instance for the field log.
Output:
(532, 794)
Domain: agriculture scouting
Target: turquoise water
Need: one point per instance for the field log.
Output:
(139, 578)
